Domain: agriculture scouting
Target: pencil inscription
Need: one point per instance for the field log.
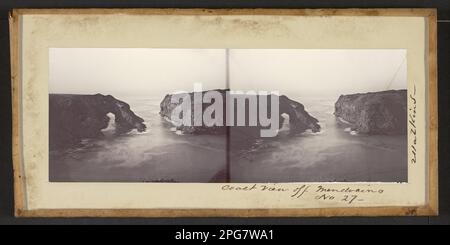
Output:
(412, 124)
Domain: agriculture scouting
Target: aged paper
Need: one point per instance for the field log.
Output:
(40, 32)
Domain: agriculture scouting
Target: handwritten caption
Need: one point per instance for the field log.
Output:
(347, 195)
(412, 125)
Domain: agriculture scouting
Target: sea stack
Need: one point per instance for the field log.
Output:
(76, 117)
(374, 113)
(299, 119)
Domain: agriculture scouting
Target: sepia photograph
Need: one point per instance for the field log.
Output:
(227, 115)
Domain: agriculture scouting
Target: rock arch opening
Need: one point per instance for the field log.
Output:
(285, 122)
(110, 129)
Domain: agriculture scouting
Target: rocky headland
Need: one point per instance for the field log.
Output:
(76, 117)
(375, 112)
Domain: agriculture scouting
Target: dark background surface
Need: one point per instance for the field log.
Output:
(6, 179)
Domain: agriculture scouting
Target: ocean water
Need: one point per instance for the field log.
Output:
(335, 154)
(162, 154)
(157, 155)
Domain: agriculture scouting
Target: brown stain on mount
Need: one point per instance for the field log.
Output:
(411, 212)
(255, 26)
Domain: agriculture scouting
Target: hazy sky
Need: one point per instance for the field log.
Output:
(134, 70)
(324, 71)
(158, 71)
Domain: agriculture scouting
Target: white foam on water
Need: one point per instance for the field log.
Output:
(318, 133)
(135, 131)
(85, 141)
(348, 129)
(169, 120)
(179, 132)
(343, 120)
(310, 132)
(144, 132)
(353, 133)
(173, 129)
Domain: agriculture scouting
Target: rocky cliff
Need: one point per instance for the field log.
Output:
(76, 117)
(166, 108)
(374, 113)
(299, 119)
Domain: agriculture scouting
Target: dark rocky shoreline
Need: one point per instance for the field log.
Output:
(76, 117)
